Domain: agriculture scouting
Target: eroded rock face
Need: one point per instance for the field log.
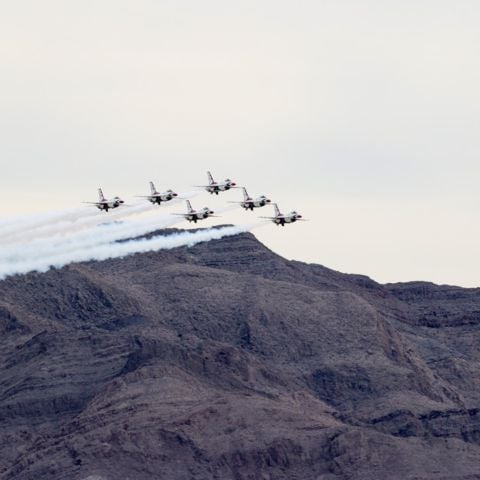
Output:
(225, 361)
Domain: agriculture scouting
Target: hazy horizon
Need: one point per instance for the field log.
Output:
(363, 117)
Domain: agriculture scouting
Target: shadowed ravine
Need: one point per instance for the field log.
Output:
(226, 361)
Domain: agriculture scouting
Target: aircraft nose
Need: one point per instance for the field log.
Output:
(175, 194)
(268, 201)
(233, 184)
(299, 216)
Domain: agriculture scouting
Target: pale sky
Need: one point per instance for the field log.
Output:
(362, 115)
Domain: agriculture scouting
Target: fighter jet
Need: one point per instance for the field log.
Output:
(214, 187)
(104, 204)
(195, 215)
(250, 203)
(281, 219)
(157, 197)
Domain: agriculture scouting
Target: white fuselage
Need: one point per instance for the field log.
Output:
(250, 203)
(289, 218)
(196, 215)
(220, 187)
(110, 204)
(158, 198)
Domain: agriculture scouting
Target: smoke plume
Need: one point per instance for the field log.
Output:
(21, 265)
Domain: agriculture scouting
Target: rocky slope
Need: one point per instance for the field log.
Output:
(225, 361)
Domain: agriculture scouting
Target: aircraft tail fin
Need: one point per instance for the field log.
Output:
(277, 210)
(245, 194)
(152, 188)
(189, 206)
(210, 178)
(101, 197)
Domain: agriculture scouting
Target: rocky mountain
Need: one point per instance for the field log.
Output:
(226, 361)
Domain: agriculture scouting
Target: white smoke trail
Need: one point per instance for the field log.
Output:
(227, 208)
(15, 219)
(68, 224)
(49, 227)
(98, 235)
(116, 250)
(190, 194)
(25, 223)
(69, 241)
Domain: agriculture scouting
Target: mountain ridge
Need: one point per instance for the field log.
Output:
(225, 360)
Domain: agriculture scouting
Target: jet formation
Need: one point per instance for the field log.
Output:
(192, 215)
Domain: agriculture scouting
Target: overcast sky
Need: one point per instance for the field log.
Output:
(362, 115)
